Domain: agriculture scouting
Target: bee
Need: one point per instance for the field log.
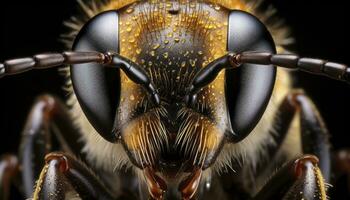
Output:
(175, 100)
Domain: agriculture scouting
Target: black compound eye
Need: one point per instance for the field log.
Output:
(98, 88)
(248, 89)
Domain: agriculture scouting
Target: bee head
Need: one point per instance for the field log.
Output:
(172, 44)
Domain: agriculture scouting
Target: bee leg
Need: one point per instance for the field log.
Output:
(8, 171)
(47, 114)
(314, 134)
(299, 179)
(64, 177)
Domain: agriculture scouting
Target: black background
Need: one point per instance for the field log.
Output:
(30, 27)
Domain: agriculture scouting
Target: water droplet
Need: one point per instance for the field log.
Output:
(132, 39)
(156, 46)
(130, 10)
(166, 55)
(170, 35)
(169, 5)
(183, 64)
(193, 62)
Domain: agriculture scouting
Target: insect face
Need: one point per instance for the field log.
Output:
(168, 90)
(173, 42)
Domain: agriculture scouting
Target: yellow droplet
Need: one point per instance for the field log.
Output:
(183, 64)
(193, 62)
(132, 40)
(138, 51)
(210, 26)
(169, 5)
(156, 46)
(170, 35)
(132, 97)
(166, 55)
(166, 42)
(177, 40)
(130, 10)
(128, 29)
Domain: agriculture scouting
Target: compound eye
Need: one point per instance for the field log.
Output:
(248, 88)
(98, 88)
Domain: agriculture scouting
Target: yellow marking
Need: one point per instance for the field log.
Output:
(131, 136)
(321, 184)
(40, 182)
(213, 138)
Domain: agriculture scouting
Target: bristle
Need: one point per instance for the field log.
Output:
(87, 9)
(146, 137)
(197, 137)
